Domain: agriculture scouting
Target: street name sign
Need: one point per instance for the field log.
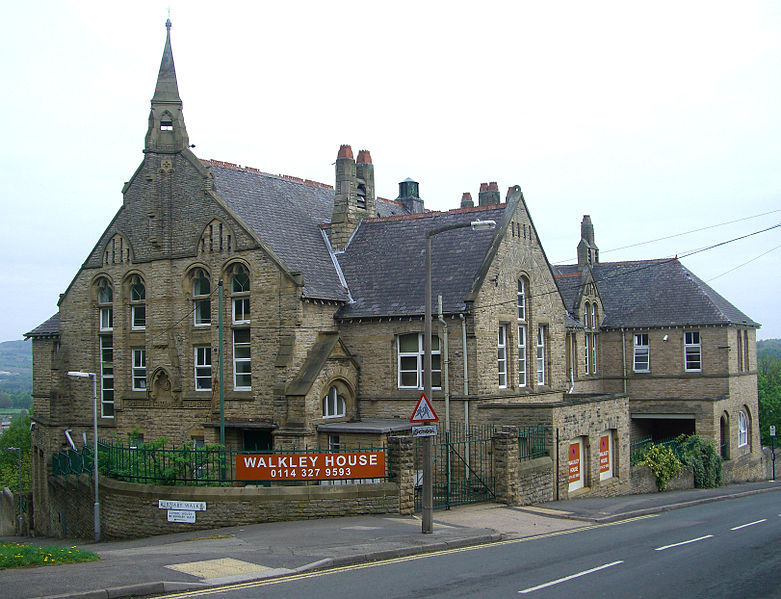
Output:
(425, 430)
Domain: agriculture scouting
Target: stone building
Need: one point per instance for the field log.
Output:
(311, 297)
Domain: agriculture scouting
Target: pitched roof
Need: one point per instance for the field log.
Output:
(49, 328)
(286, 213)
(652, 293)
(384, 263)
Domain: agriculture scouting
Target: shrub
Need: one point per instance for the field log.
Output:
(701, 457)
(663, 463)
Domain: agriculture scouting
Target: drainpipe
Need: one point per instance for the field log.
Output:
(445, 363)
(466, 391)
(623, 356)
(445, 354)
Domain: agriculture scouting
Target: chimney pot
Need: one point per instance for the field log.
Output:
(345, 151)
(483, 186)
(364, 157)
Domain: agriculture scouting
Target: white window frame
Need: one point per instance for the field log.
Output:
(138, 368)
(202, 309)
(541, 330)
(522, 355)
(106, 318)
(642, 349)
(587, 354)
(202, 360)
(334, 404)
(501, 356)
(520, 300)
(106, 377)
(137, 306)
(692, 347)
(242, 359)
(593, 353)
(419, 357)
(240, 300)
(742, 429)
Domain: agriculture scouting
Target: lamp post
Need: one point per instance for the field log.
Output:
(18, 451)
(96, 508)
(428, 486)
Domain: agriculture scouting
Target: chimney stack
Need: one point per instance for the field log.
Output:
(466, 200)
(489, 194)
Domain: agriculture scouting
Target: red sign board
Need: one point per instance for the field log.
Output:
(424, 411)
(604, 454)
(574, 462)
(310, 466)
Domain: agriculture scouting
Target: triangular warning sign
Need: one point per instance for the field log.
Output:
(424, 411)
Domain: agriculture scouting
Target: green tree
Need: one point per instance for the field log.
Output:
(769, 393)
(17, 435)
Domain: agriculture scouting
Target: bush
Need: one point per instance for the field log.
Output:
(701, 457)
(663, 463)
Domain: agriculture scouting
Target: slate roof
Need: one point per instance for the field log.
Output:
(286, 214)
(384, 263)
(49, 328)
(653, 293)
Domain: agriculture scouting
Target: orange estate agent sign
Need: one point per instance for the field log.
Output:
(574, 462)
(310, 466)
(604, 454)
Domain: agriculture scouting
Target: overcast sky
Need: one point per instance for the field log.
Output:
(654, 118)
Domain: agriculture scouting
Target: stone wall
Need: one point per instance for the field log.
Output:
(644, 481)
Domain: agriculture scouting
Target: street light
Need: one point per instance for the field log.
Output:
(93, 376)
(18, 451)
(428, 486)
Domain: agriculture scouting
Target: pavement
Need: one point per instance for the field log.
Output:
(201, 559)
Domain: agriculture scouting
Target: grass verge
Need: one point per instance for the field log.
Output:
(16, 555)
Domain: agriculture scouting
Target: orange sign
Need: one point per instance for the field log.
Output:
(310, 466)
(574, 462)
(604, 454)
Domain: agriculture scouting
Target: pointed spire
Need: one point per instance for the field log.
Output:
(167, 90)
(167, 132)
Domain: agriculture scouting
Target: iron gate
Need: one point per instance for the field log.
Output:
(463, 468)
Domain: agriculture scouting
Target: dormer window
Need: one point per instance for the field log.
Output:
(361, 197)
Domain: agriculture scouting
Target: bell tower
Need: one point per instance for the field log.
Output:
(167, 133)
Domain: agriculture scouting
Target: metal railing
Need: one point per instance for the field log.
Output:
(533, 442)
(153, 464)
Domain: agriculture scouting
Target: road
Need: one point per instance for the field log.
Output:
(722, 549)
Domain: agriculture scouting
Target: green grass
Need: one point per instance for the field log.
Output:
(15, 555)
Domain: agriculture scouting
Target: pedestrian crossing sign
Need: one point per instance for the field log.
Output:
(424, 412)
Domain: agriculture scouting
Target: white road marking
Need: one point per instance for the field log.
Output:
(683, 543)
(749, 524)
(566, 578)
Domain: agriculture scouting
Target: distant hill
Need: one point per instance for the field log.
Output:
(16, 367)
(769, 348)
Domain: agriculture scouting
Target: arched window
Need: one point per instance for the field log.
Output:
(521, 299)
(137, 304)
(240, 288)
(202, 306)
(105, 305)
(586, 308)
(594, 315)
(742, 429)
(334, 404)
